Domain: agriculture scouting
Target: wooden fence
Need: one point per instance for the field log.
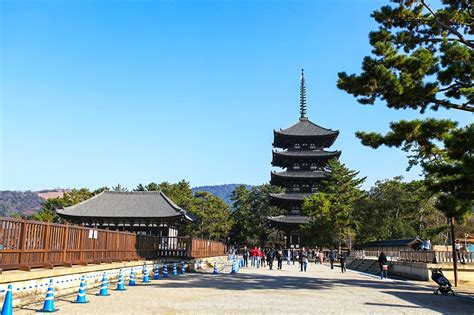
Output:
(25, 244)
(391, 255)
(435, 256)
(419, 256)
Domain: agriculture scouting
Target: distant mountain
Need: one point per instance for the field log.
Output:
(222, 191)
(22, 202)
(30, 202)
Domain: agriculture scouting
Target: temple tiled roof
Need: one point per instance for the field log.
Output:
(290, 219)
(291, 196)
(300, 174)
(308, 153)
(305, 127)
(135, 204)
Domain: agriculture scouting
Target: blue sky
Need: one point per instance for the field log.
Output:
(96, 93)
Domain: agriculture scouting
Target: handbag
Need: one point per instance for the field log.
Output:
(384, 267)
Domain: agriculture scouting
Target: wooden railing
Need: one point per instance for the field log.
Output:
(25, 244)
(418, 256)
(435, 256)
(391, 255)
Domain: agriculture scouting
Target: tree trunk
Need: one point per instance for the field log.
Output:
(339, 243)
(455, 256)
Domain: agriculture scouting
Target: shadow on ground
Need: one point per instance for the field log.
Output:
(419, 297)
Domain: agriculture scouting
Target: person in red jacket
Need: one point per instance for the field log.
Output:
(259, 257)
(253, 255)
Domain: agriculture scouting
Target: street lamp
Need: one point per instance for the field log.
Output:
(285, 241)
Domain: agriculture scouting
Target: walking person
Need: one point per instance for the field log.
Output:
(270, 257)
(459, 251)
(332, 257)
(303, 259)
(342, 260)
(258, 256)
(263, 260)
(383, 262)
(288, 255)
(321, 256)
(253, 256)
(245, 254)
(279, 257)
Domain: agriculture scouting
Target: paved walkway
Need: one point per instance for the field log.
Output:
(251, 291)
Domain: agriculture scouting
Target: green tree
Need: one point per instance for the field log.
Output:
(251, 208)
(155, 187)
(394, 209)
(332, 209)
(119, 188)
(422, 59)
(140, 187)
(69, 198)
(242, 230)
(214, 217)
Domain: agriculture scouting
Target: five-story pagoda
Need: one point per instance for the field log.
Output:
(301, 152)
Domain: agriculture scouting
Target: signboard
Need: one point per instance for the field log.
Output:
(93, 234)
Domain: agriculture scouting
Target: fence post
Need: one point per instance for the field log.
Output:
(79, 246)
(189, 247)
(22, 241)
(46, 242)
(117, 239)
(66, 236)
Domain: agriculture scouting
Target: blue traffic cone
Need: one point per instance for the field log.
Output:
(183, 268)
(81, 295)
(175, 270)
(146, 274)
(48, 306)
(215, 269)
(7, 308)
(156, 273)
(104, 289)
(165, 271)
(120, 283)
(132, 279)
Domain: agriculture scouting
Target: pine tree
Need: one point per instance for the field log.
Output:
(332, 209)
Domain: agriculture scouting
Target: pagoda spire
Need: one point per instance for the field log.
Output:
(302, 97)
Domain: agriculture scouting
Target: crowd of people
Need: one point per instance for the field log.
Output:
(258, 257)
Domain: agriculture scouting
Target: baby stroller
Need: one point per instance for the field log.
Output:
(444, 286)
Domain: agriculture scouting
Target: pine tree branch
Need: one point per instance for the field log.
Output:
(468, 107)
(447, 27)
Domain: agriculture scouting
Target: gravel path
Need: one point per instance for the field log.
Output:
(252, 291)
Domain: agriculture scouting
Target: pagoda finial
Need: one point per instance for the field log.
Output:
(302, 98)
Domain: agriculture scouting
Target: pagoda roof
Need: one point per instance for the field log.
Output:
(306, 128)
(291, 196)
(307, 153)
(134, 204)
(300, 174)
(290, 219)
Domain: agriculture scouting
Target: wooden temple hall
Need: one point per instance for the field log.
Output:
(142, 212)
(301, 151)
